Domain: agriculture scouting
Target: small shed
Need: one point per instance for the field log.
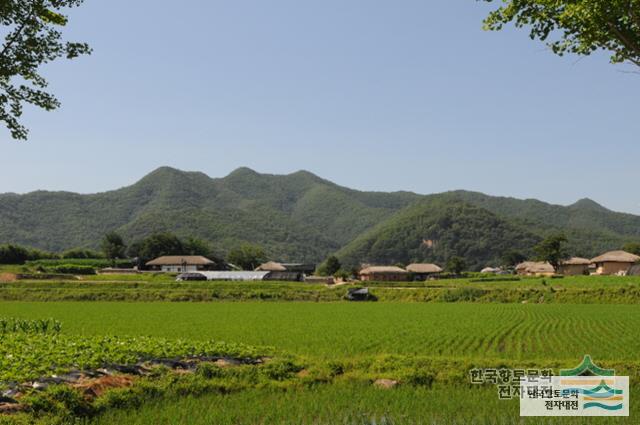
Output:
(424, 271)
(384, 274)
(614, 262)
(574, 266)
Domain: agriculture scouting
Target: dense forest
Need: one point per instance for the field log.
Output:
(302, 217)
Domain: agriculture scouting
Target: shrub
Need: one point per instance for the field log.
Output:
(280, 370)
(72, 269)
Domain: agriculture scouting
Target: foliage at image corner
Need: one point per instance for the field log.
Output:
(33, 38)
(578, 27)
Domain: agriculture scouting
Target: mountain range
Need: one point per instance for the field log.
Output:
(302, 217)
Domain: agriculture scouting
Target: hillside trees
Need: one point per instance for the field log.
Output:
(247, 256)
(32, 38)
(579, 27)
(196, 246)
(456, 265)
(330, 267)
(113, 246)
(16, 254)
(553, 249)
(512, 258)
(632, 247)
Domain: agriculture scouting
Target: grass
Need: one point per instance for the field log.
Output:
(349, 404)
(159, 287)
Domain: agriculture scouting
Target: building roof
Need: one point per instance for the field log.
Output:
(535, 267)
(616, 257)
(271, 266)
(491, 270)
(423, 268)
(382, 269)
(178, 260)
(576, 261)
(524, 265)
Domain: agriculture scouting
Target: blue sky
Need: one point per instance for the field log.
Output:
(374, 95)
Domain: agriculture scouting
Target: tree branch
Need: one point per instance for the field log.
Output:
(17, 33)
(629, 44)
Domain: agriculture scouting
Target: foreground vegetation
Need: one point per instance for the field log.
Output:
(318, 361)
(326, 358)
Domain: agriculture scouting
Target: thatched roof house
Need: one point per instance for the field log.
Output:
(615, 262)
(423, 271)
(424, 268)
(180, 263)
(574, 266)
(383, 273)
(535, 268)
(271, 266)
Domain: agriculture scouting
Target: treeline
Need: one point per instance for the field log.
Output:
(115, 251)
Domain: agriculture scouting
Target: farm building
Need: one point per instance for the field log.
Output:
(535, 268)
(423, 271)
(246, 276)
(574, 266)
(614, 262)
(224, 275)
(384, 273)
(181, 263)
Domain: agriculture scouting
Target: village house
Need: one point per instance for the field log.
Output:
(574, 266)
(384, 274)
(271, 266)
(286, 271)
(535, 268)
(424, 271)
(614, 262)
(181, 263)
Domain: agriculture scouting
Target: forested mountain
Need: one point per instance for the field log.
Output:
(301, 217)
(437, 229)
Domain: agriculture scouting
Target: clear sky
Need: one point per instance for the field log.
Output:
(374, 95)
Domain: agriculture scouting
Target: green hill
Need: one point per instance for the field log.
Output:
(301, 217)
(295, 217)
(436, 229)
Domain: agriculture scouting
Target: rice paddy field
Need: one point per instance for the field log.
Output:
(327, 353)
(334, 330)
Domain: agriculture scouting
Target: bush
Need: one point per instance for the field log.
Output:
(77, 253)
(15, 254)
(73, 269)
